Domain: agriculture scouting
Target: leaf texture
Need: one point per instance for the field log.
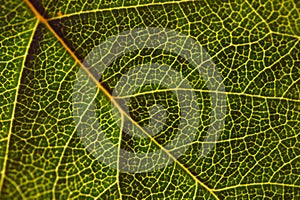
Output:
(254, 46)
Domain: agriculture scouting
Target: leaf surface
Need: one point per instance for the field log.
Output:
(255, 48)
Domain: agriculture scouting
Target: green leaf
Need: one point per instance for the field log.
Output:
(149, 121)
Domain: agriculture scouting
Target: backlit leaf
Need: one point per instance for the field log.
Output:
(150, 99)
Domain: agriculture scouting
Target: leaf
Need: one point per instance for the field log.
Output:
(69, 127)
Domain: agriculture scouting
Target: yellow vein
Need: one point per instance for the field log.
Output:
(286, 35)
(119, 154)
(14, 107)
(107, 94)
(256, 184)
(208, 91)
(119, 8)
